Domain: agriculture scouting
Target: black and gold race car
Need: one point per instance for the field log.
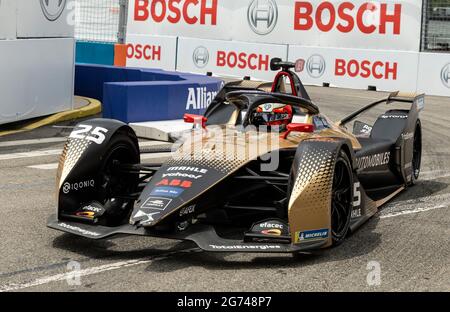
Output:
(262, 171)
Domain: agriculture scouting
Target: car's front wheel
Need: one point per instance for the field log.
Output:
(341, 201)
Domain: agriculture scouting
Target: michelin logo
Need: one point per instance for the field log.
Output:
(199, 98)
(311, 235)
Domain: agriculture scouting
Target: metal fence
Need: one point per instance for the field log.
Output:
(436, 25)
(101, 20)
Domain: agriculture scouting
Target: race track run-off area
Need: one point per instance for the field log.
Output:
(405, 247)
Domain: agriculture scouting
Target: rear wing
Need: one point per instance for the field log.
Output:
(417, 103)
(417, 99)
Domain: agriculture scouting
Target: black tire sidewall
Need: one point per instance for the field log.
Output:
(414, 179)
(342, 156)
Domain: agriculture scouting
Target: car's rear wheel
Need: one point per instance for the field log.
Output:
(417, 154)
(341, 200)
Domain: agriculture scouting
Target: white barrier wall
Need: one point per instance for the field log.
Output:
(357, 68)
(45, 18)
(7, 19)
(35, 83)
(434, 74)
(384, 24)
(36, 75)
(152, 51)
(228, 58)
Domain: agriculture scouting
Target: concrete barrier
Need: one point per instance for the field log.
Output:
(137, 95)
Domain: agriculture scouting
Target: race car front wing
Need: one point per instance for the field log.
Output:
(204, 236)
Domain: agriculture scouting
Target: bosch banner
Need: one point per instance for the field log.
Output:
(385, 24)
(228, 58)
(358, 69)
(151, 51)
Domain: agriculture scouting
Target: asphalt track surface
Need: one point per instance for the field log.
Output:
(409, 238)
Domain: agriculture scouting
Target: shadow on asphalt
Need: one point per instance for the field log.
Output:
(102, 249)
(422, 189)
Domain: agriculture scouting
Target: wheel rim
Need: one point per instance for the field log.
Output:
(115, 183)
(417, 155)
(341, 199)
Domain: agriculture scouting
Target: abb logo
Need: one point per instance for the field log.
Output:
(367, 18)
(175, 182)
(243, 60)
(147, 52)
(366, 69)
(174, 11)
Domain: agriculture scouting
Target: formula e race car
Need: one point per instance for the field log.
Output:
(262, 171)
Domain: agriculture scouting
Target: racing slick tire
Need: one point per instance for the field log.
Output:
(417, 154)
(341, 198)
(115, 184)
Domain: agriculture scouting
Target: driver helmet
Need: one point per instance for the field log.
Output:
(273, 115)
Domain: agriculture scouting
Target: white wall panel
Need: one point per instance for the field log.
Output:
(7, 19)
(45, 18)
(36, 78)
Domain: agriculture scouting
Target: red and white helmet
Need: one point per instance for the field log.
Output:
(273, 115)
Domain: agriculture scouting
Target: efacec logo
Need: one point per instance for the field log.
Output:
(316, 66)
(53, 9)
(445, 75)
(262, 16)
(201, 57)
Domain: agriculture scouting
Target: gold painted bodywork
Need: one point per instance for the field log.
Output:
(310, 202)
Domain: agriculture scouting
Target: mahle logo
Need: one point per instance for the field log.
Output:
(445, 75)
(262, 16)
(53, 9)
(200, 57)
(316, 66)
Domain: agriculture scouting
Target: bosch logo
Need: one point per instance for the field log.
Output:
(201, 57)
(262, 16)
(316, 66)
(53, 9)
(445, 75)
(190, 12)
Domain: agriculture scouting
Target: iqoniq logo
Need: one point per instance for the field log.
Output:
(53, 9)
(445, 75)
(200, 57)
(316, 66)
(262, 16)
